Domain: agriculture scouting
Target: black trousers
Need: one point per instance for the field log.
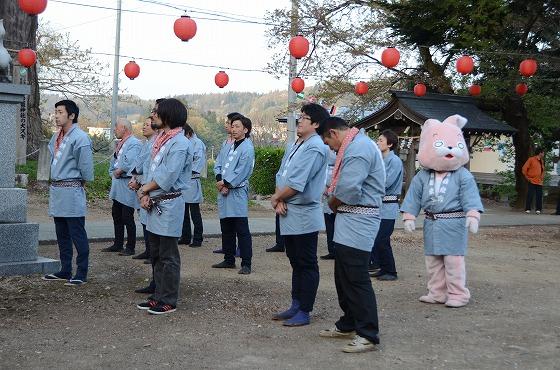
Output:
(192, 210)
(123, 216)
(167, 268)
(279, 237)
(233, 227)
(302, 253)
(532, 191)
(329, 226)
(355, 293)
(382, 253)
(146, 240)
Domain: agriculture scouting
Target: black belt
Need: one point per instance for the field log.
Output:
(155, 201)
(445, 215)
(67, 184)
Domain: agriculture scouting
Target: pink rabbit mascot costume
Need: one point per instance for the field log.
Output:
(449, 196)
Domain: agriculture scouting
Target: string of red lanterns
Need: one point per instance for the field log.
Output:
(361, 88)
(475, 90)
(419, 89)
(298, 46)
(521, 89)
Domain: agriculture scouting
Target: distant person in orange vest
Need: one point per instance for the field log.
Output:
(533, 170)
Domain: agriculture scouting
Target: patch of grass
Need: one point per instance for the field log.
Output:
(209, 186)
(30, 168)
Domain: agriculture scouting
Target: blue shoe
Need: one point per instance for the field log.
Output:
(289, 313)
(300, 319)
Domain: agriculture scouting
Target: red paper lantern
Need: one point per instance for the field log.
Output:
(32, 7)
(390, 57)
(184, 28)
(221, 79)
(299, 47)
(521, 89)
(131, 70)
(528, 67)
(465, 65)
(361, 88)
(26, 57)
(475, 90)
(419, 89)
(298, 85)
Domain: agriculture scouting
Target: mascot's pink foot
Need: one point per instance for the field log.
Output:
(455, 304)
(429, 299)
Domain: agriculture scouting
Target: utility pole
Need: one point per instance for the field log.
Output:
(115, 100)
(292, 74)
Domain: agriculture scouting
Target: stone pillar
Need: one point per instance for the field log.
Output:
(19, 239)
(44, 163)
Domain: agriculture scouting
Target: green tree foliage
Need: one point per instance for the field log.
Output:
(267, 163)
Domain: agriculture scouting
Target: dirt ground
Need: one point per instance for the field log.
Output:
(223, 319)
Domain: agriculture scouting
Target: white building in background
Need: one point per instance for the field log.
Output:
(100, 131)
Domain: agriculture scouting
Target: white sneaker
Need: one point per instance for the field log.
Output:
(527, 212)
(538, 212)
(359, 345)
(335, 333)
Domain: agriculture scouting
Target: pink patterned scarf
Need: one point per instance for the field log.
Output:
(338, 163)
(163, 138)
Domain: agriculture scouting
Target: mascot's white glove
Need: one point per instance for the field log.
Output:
(472, 221)
(409, 226)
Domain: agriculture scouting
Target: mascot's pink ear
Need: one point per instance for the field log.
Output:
(456, 120)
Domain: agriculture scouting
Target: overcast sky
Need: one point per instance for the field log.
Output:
(217, 43)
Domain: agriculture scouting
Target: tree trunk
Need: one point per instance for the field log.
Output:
(515, 113)
(436, 72)
(21, 31)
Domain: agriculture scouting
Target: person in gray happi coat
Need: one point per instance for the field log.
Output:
(124, 199)
(193, 193)
(300, 183)
(233, 197)
(71, 166)
(355, 194)
(222, 154)
(382, 253)
(161, 196)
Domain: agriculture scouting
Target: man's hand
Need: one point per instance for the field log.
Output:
(281, 208)
(409, 226)
(117, 173)
(133, 184)
(145, 202)
(141, 193)
(334, 203)
(274, 201)
(220, 185)
(224, 191)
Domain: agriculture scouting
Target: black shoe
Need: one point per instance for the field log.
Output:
(276, 248)
(162, 309)
(150, 303)
(146, 290)
(376, 274)
(195, 245)
(184, 241)
(224, 265)
(245, 270)
(148, 262)
(127, 252)
(327, 257)
(387, 277)
(112, 249)
(372, 267)
(141, 256)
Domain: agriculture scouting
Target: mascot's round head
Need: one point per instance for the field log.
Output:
(442, 145)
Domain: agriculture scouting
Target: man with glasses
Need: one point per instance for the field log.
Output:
(299, 186)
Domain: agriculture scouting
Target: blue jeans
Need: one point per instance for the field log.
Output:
(68, 230)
